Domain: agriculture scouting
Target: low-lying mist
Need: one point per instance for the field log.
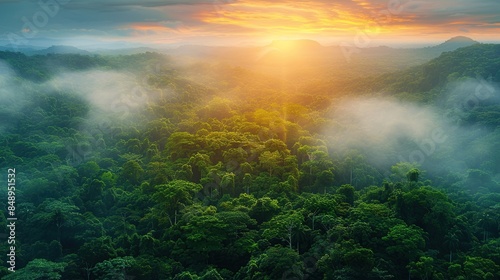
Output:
(95, 103)
(437, 137)
(108, 94)
(113, 96)
(100, 88)
(12, 100)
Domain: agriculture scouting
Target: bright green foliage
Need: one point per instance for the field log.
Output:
(204, 235)
(114, 269)
(284, 227)
(211, 275)
(54, 216)
(275, 263)
(423, 268)
(186, 276)
(174, 195)
(270, 161)
(480, 268)
(38, 269)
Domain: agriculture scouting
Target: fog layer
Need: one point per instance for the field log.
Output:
(437, 137)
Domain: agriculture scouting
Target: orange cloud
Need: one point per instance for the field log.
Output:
(149, 27)
(300, 18)
(281, 19)
(263, 20)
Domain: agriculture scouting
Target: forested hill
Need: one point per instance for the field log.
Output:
(41, 68)
(148, 167)
(476, 61)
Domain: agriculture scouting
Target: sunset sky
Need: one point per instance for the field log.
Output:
(244, 22)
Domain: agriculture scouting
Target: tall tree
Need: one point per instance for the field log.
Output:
(173, 196)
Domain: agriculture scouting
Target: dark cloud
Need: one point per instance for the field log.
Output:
(127, 3)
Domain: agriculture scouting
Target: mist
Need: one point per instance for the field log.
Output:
(438, 138)
(109, 94)
(96, 103)
(12, 96)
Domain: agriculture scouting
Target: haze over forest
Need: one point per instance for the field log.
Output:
(250, 140)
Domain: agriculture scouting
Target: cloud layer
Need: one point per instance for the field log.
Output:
(436, 137)
(212, 21)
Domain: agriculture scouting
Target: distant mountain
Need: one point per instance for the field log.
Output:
(307, 53)
(458, 42)
(450, 45)
(477, 60)
(60, 50)
(22, 49)
(127, 51)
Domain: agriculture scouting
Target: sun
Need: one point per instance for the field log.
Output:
(294, 45)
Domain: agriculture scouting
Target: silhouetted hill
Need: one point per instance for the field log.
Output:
(457, 42)
(478, 60)
(127, 51)
(50, 64)
(60, 50)
(450, 45)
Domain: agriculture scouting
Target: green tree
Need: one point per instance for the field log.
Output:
(423, 268)
(324, 180)
(95, 251)
(55, 214)
(318, 206)
(264, 209)
(429, 209)
(200, 164)
(452, 240)
(181, 145)
(113, 269)
(347, 193)
(480, 268)
(405, 242)
(174, 195)
(38, 269)
(132, 172)
(402, 170)
(277, 262)
(211, 274)
(347, 260)
(270, 161)
(204, 235)
(93, 191)
(412, 176)
(455, 271)
(186, 275)
(284, 227)
(89, 170)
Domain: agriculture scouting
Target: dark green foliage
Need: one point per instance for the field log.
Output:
(230, 175)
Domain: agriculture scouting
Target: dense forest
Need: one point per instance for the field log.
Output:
(154, 166)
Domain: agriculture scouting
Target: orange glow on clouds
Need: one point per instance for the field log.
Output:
(149, 27)
(279, 19)
(262, 20)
